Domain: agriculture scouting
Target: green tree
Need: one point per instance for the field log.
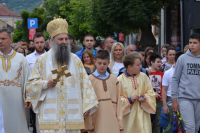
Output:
(17, 32)
(78, 18)
(21, 32)
(55, 8)
(76, 12)
(44, 15)
(127, 16)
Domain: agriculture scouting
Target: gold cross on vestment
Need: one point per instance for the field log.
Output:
(60, 73)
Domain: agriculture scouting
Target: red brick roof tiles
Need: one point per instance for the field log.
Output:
(4, 11)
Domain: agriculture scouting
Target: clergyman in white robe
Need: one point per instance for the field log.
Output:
(60, 109)
(13, 76)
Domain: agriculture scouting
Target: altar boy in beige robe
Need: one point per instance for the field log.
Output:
(108, 117)
(137, 96)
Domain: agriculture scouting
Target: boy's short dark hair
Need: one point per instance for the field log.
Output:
(179, 53)
(130, 60)
(102, 54)
(37, 35)
(153, 57)
(88, 35)
(195, 36)
(166, 46)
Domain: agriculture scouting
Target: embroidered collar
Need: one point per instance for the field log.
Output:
(9, 57)
(132, 78)
(128, 75)
(7, 54)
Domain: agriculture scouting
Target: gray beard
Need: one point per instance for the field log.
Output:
(62, 53)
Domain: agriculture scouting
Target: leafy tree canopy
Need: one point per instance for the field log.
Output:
(127, 16)
(98, 17)
(21, 31)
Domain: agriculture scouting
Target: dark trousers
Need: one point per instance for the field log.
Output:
(156, 125)
(33, 120)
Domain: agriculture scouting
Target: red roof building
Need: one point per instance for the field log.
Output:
(4, 11)
(8, 16)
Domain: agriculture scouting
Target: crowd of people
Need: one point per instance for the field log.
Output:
(56, 86)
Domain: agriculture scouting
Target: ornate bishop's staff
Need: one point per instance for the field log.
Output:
(60, 73)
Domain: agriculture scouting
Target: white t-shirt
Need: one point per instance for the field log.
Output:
(168, 66)
(31, 58)
(116, 67)
(167, 79)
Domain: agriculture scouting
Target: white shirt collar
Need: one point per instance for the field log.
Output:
(7, 54)
(35, 52)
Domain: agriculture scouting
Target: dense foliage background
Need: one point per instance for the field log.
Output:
(98, 17)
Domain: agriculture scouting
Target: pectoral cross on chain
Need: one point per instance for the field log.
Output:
(60, 73)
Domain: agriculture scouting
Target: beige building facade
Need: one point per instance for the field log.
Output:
(7, 16)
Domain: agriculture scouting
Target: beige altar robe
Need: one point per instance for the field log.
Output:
(108, 117)
(136, 116)
(13, 79)
(64, 111)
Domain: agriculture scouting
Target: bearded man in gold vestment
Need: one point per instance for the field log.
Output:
(61, 106)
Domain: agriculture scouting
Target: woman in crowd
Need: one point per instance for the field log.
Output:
(146, 63)
(25, 46)
(20, 49)
(170, 55)
(88, 62)
(117, 55)
(147, 53)
(148, 49)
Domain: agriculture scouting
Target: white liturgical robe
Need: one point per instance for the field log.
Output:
(60, 109)
(1, 120)
(13, 79)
